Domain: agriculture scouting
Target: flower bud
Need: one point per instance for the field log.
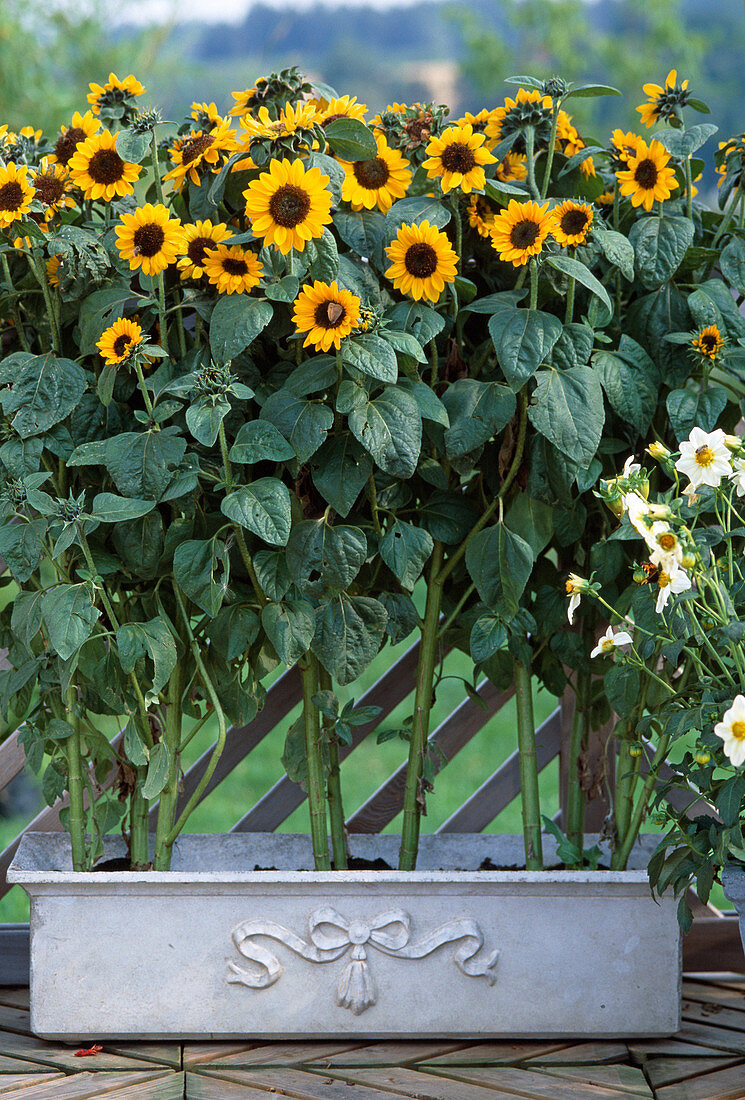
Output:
(703, 756)
(733, 442)
(658, 450)
(635, 749)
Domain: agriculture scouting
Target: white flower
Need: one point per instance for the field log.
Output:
(738, 476)
(610, 641)
(704, 458)
(630, 467)
(670, 585)
(732, 731)
(637, 510)
(575, 586)
(664, 544)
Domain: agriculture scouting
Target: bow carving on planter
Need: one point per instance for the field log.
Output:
(331, 935)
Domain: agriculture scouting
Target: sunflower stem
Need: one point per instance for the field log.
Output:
(163, 323)
(17, 322)
(143, 388)
(75, 788)
(39, 269)
(156, 168)
(530, 148)
(333, 786)
(726, 220)
(435, 364)
(240, 538)
(374, 506)
(551, 144)
(533, 283)
(308, 666)
(689, 187)
(531, 800)
(569, 316)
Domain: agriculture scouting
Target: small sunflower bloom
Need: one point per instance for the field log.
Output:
(611, 641)
(16, 193)
(198, 150)
(243, 101)
(80, 129)
(291, 119)
(519, 231)
(197, 238)
(732, 731)
(663, 103)
(623, 146)
(481, 214)
(149, 239)
(379, 181)
(327, 314)
(52, 266)
(529, 108)
(232, 269)
(422, 261)
(704, 458)
(98, 170)
(513, 167)
(119, 341)
(113, 91)
(457, 158)
(52, 185)
(338, 107)
(709, 342)
(288, 205)
(648, 177)
(571, 223)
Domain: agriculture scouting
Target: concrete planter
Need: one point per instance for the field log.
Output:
(733, 884)
(219, 947)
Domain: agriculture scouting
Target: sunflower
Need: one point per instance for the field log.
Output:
(81, 128)
(478, 122)
(569, 142)
(243, 101)
(664, 102)
(378, 181)
(481, 214)
(196, 150)
(457, 158)
(233, 270)
(52, 186)
(423, 260)
(114, 91)
(648, 175)
(520, 230)
(206, 115)
(339, 107)
(197, 238)
(300, 117)
(623, 146)
(327, 314)
(52, 266)
(512, 166)
(529, 108)
(708, 342)
(98, 170)
(119, 341)
(16, 194)
(149, 239)
(288, 205)
(571, 223)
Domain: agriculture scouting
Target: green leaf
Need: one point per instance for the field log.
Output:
(659, 246)
(413, 211)
(499, 563)
(141, 463)
(683, 143)
(236, 321)
(44, 391)
(260, 441)
(532, 520)
(523, 339)
(364, 231)
(262, 507)
(204, 418)
(688, 409)
(157, 770)
(233, 630)
(430, 405)
(313, 376)
(349, 633)
(567, 408)
(574, 346)
(324, 256)
(322, 559)
(139, 542)
(273, 574)
(448, 516)
(631, 392)
(423, 322)
(586, 91)
(581, 274)
(304, 424)
(22, 547)
(132, 146)
(350, 139)
(110, 508)
(372, 356)
(152, 639)
(617, 249)
(488, 635)
(202, 570)
(729, 800)
(284, 290)
(477, 411)
(405, 549)
(290, 627)
(135, 748)
(502, 192)
(732, 263)
(99, 310)
(390, 429)
(622, 685)
(340, 470)
(402, 615)
(70, 616)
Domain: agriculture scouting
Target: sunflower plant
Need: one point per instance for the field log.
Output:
(289, 384)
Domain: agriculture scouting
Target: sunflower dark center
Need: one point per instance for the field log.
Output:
(420, 260)
(574, 222)
(371, 174)
(195, 148)
(197, 248)
(289, 205)
(458, 157)
(646, 173)
(234, 266)
(67, 143)
(332, 118)
(106, 166)
(11, 195)
(329, 314)
(148, 239)
(122, 343)
(49, 189)
(523, 234)
(483, 209)
(708, 341)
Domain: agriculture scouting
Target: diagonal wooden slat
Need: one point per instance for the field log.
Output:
(449, 737)
(498, 791)
(285, 796)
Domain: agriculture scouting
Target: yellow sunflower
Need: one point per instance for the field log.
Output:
(243, 101)
(571, 223)
(457, 158)
(81, 128)
(708, 342)
(98, 170)
(300, 117)
(378, 181)
(206, 115)
(326, 313)
(623, 146)
(119, 341)
(569, 142)
(512, 166)
(52, 186)
(648, 175)
(481, 214)
(662, 102)
(520, 230)
(233, 270)
(197, 150)
(422, 261)
(197, 238)
(149, 239)
(114, 88)
(16, 194)
(52, 266)
(288, 205)
(528, 106)
(340, 107)
(478, 122)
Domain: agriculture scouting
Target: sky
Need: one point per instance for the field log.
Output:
(158, 11)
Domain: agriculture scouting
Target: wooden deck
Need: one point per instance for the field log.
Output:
(705, 1061)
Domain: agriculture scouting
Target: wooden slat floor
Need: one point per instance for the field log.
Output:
(704, 1061)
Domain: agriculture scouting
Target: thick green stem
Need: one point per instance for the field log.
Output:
(36, 262)
(16, 313)
(139, 828)
(169, 795)
(531, 799)
(374, 505)
(143, 389)
(569, 315)
(727, 219)
(156, 168)
(308, 666)
(576, 802)
(162, 318)
(413, 795)
(533, 283)
(624, 850)
(333, 789)
(627, 774)
(75, 788)
(689, 186)
(551, 147)
(530, 150)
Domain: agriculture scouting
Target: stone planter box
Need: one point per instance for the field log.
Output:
(219, 947)
(733, 884)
